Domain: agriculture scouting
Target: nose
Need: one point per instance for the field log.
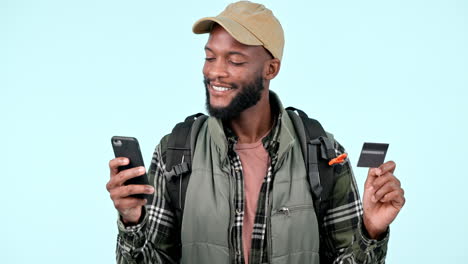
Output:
(216, 69)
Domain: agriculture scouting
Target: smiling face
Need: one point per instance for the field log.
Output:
(234, 74)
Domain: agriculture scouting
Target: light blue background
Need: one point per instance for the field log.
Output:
(75, 73)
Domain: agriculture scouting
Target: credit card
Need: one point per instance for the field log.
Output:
(372, 155)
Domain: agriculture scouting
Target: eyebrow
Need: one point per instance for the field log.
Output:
(230, 52)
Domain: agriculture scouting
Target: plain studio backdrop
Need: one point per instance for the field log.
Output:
(75, 73)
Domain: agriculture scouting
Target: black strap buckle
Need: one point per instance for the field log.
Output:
(178, 170)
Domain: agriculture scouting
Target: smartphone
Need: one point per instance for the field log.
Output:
(128, 147)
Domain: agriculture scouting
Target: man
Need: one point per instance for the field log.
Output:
(248, 200)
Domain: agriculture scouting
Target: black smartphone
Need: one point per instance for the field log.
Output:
(129, 147)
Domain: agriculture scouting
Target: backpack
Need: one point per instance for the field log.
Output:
(317, 149)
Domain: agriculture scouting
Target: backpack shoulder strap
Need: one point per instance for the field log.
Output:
(317, 149)
(180, 147)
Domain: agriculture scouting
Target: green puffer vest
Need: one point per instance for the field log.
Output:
(292, 235)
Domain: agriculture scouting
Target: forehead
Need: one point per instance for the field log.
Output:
(221, 41)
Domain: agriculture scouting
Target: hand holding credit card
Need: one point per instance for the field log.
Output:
(372, 155)
(383, 196)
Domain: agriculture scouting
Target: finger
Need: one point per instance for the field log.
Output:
(368, 194)
(384, 190)
(129, 202)
(120, 178)
(397, 198)
(114, 165)
(371, 176)
(123, 176)
(387, 177)
(127, 190)
(388, 166)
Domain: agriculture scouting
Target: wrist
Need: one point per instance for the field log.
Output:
(373, 232)
(134, 219)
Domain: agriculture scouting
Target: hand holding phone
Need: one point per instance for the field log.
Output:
(128, 147)
(128, 185)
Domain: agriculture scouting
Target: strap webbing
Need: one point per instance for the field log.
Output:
(179, 159)
(316, 150)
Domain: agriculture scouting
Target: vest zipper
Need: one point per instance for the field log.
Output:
(231, 219)
(284, 210)
(269, 239)
(288, 210)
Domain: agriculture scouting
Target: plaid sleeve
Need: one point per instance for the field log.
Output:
(152, 240)
(345, 239)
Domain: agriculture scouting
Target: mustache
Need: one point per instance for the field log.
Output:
(207, 81)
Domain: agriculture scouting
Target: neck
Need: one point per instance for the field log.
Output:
(254, 122)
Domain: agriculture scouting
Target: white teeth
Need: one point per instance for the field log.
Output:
(220, 89)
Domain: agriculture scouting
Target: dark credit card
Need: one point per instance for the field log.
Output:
(372, 155)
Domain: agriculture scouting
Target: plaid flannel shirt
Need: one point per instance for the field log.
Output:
(151, 240)
(258, 247)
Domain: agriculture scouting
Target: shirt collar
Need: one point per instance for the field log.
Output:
(271, 141)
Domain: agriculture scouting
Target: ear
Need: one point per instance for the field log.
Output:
(271, 68)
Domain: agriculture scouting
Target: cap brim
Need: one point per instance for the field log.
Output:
(235, 29)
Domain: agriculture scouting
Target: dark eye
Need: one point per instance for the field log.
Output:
(209, 59)
(237, 63)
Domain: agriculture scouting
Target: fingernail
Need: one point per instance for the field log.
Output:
(141, 170)
(149, 189)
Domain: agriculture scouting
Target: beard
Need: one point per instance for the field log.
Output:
(247, 97)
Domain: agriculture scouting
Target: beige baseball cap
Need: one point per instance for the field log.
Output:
(250, 24)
